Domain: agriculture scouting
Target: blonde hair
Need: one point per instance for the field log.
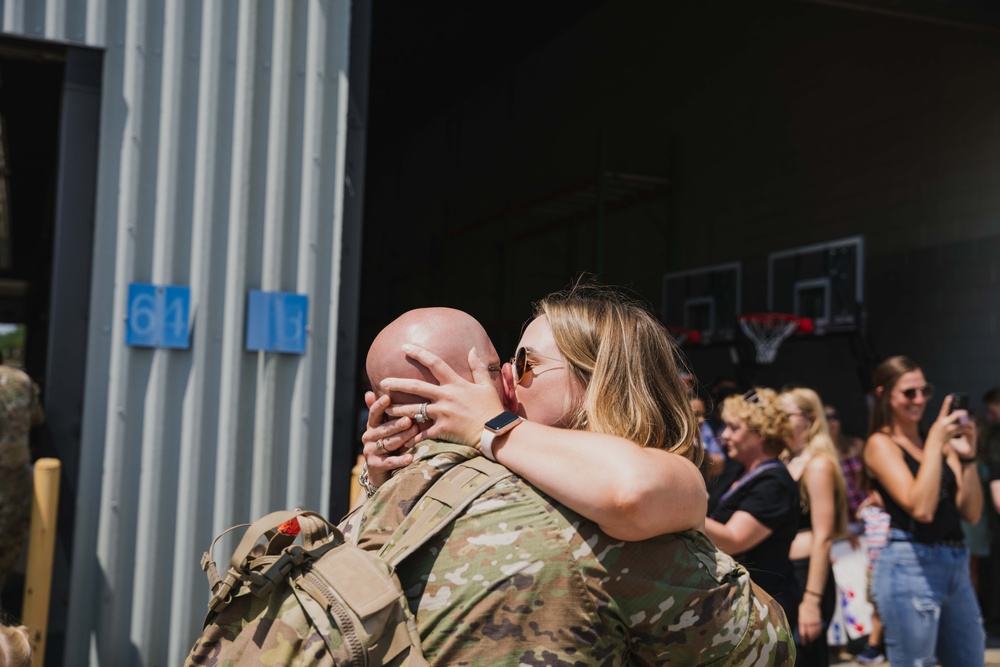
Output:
(763, 415)
(629, 365)
(15, 647)
(820, 444)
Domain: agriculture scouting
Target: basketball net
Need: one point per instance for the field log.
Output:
(768, 331)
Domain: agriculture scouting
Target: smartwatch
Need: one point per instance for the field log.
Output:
(494, 428)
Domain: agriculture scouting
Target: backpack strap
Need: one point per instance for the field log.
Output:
(262, 571)
(441, 504)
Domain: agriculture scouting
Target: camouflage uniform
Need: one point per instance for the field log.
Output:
(19, 411)
(521, 580)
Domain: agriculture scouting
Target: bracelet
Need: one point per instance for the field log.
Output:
(813, 593)
(366, 483)
(966, 460)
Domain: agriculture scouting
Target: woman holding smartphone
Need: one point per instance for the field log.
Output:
(929, 484)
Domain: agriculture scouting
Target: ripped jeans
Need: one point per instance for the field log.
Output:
(925, 597)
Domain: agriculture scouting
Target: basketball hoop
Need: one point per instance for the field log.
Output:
(769, 330)
(683, 335)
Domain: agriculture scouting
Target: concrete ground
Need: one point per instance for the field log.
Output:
(992, 654)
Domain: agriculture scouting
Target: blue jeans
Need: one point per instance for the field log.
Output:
(925, 597)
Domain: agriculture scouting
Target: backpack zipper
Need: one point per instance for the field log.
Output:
(341, 616)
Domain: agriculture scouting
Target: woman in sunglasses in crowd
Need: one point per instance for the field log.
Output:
(929, 484)
(814, 464)
(594, 374)
(757, 515)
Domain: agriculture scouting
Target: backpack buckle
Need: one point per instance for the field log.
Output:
(263, 583)
(223, 596)
(211, 571)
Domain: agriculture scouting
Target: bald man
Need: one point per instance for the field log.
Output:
(446, 332)
(519, 579)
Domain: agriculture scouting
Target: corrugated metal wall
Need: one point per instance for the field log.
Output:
(221, 168)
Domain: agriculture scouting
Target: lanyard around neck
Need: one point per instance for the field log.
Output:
(738, 484)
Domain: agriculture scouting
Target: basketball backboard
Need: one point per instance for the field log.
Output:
(706, 299)
(824, 281)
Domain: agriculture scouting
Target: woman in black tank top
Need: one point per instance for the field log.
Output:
(814, 465)
(921, 581)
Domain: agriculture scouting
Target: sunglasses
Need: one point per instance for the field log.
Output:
(519, 362)
(927, 390)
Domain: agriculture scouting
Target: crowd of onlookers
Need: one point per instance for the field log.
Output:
(921, 492)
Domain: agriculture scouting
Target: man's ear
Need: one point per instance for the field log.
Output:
(509, 396)
(878, 391)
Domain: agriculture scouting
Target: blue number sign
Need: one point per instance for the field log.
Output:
(158, 316)
(276, 322)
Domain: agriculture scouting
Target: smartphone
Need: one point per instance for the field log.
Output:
(960, 401)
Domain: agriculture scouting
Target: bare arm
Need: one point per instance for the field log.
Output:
(918, 495)
(631, 492)
(969, 494)
(819, 479)
(969, 498)
(995, 492)
(741, 533)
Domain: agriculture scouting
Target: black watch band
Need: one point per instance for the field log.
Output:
(494, 428)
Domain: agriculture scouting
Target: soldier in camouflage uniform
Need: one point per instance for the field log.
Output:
(20, 409)
(520, 579)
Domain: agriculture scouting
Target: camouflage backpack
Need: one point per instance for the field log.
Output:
(326, 601)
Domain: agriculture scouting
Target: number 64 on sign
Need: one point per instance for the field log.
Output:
(158, 316)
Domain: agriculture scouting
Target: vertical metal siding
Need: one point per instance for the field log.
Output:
(221, 167)
(197, 454)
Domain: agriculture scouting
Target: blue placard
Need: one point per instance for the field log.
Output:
(158, 316)
(276, 322)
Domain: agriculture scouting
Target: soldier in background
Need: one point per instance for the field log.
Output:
(20, 409)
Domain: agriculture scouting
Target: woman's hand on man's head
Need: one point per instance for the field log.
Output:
(456, 408)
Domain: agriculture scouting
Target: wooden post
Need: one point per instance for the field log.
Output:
(41, 547)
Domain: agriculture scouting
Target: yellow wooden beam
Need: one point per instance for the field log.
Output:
(41, 548)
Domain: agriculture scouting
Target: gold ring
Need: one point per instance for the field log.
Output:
(380, 446)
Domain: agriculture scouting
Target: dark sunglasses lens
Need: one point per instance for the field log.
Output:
(520, 360)
(927, 390)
